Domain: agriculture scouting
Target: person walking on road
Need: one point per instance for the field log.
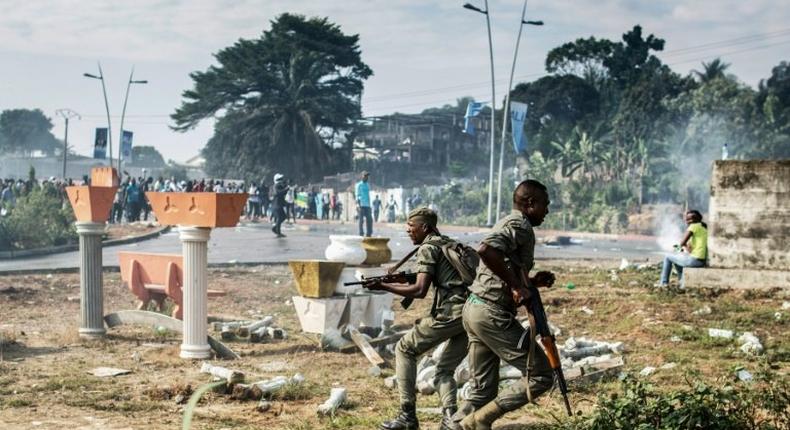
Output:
(442, 324)
(362, 193)
(376, 208)
(489, 315)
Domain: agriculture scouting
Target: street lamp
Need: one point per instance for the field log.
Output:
(506, 113)
(493, 101)
(66, 114)
(106, 107)
(123, 113)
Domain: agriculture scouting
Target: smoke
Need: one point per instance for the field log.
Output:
(668, 226)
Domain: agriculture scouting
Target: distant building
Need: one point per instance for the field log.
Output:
(420, 139)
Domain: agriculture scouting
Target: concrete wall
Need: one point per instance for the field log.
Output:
(750, 215)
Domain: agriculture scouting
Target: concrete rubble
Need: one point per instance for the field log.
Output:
(580, 357)
(336, 399)
(258, 331)
(750, 344)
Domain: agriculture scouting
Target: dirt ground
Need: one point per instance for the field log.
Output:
(44, 382)
(122, 231)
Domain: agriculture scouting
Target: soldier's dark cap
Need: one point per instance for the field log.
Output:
(424, 215)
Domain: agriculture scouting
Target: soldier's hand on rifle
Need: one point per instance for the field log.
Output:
(520, 294)
(543, 279)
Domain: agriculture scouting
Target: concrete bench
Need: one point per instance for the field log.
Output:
(155, 277)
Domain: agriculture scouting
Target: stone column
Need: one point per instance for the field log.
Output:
(194, 242)
(91, 295)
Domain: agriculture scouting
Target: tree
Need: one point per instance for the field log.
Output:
(280, 99)
(24, 131)
(713, 70)
(147, 156)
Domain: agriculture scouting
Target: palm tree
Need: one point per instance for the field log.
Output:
(713, 70)
(276, 97)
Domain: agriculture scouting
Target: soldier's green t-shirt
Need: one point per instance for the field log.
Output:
(513, 236)
(449, 289)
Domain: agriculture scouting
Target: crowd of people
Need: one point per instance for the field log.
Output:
(13, 189)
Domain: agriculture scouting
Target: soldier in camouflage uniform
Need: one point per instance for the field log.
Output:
(442, 324)
(490, 314)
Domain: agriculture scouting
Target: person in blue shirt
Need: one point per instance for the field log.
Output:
(362, 193)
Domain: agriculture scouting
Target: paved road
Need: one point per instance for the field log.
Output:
(255, 243)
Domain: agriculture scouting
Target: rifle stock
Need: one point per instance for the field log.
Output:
(534, 306)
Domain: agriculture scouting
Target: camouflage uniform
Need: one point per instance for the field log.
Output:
(489, 318)
(443, 323)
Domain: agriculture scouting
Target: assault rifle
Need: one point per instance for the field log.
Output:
(539, 324)
(398, 277)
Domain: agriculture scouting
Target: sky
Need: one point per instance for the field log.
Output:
(423, 53)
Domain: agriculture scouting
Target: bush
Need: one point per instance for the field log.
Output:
(763, 404)
(38, 220)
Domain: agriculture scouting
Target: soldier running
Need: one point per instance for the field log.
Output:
(442, 324)
(489, 315)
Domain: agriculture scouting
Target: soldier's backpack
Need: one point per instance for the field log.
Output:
(463, 258)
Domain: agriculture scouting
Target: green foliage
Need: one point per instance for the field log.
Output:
(24, 131)
(730, 406)
(39, 220)
(284, 98)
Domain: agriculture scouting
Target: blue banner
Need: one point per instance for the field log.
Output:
(100, 143)
(518, 113)
(472, 110)
(126, 145)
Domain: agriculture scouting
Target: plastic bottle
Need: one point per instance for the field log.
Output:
(724, 152)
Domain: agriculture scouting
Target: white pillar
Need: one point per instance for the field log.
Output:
(91, 295)
(194, 242)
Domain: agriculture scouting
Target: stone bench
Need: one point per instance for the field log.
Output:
(155, 277)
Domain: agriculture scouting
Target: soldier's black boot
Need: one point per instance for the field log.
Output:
(406, 420)
(447, 419)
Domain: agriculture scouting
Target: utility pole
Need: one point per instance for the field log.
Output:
(66, 114)
(106, 107)
(123, 114)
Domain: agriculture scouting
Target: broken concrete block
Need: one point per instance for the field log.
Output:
(232, 376)
(716, 332)
(425, 380)
(333, 340)
(647, 371)
(336, 398)
(509, 372)
(374, 371)
(263, 406)
(705, 310)
(438, 351)
(318, 315)
(260, 335)
(378, 303)
(750, 344)
(104, 372)
(276, 333)
(264, 322)
(744, 375)
(391, 382)
(354, 314)
(587, 310)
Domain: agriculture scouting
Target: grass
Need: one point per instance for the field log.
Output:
(625, 308)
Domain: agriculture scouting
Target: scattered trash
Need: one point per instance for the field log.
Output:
(705, 310)
(668, 366)
(391, 382)
(778, 316)
(104, 372)
(744, 375)
(336, 398)
(675, 339)
(587, 310)
(73, 298)
(750, 344)
(570, 285)
(785, 305)
(647, 371)
(715, 332)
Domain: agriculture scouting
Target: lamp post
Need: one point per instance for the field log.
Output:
(106, 107)
(493, 101)
(66, 114)
(506, 113)
(123, 113)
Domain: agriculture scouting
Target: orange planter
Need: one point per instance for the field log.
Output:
(91, 203)
(197, 209)
(104, 177)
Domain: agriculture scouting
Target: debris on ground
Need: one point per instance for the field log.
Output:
(705, 310)
(258, 331)
(587, 310)
(336, 398)
(647, 371)
(716, 332)
(744, 375)
(750, 344)
(232, 376)
(104, 372)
